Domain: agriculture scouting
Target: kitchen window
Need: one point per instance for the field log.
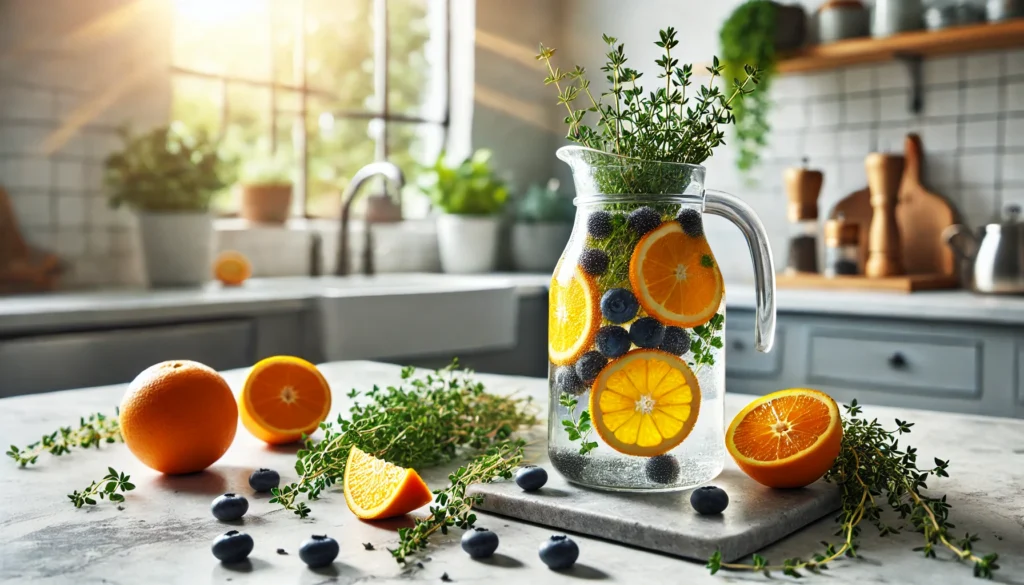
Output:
(329, 84)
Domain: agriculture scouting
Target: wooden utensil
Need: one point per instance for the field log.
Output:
(922, 216)
(885, 173)
(22, 269)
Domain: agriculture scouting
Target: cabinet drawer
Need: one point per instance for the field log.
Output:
(934, 365)
(60, 361)
(742, 360)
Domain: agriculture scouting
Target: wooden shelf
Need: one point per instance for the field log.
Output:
(954, 40)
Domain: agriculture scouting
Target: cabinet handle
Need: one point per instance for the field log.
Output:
(897, 361)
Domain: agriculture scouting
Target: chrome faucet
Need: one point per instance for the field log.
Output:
(392, 178)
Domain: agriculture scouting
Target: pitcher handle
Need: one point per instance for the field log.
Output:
(742, 215)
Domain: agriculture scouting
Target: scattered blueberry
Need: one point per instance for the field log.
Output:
(612, 341)
(531, 477)
(643, 220)
(281, 551)
(480, 543)
(619, 305)
(445, 578)
(692, 223)
(567, 381)
(232, 546)
(594, 262)
(599, 225)
(676, 341)
(709, 499)
(662, 469)
(368, 546)
(319, 551)
(559, 552)
(263, 480)
(229, 507)
(590, 365)
(647, 332)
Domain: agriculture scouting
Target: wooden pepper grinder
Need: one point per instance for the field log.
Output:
(885, 172)
(803, 186)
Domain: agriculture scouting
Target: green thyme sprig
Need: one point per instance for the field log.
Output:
(705, 340)
(452, 507)
(104, 488)
(871, 471)
(91, 432)
(427, 420)
(578, 429)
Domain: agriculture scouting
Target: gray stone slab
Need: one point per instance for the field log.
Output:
(665, 522)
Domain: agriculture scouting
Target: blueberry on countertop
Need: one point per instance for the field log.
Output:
(567, 381)
(647, 332)
(594, 261)
(531, 477)
(709, 500)
(691, 222)
(612, 341)
(599, 225)
(319, 551)
(480, 543)
(264, 480)
(643, 220)
(676, 341)
(232, 546)
(559, 552)
(662, 469)
(590, 365)
(619, 305)
(229, 507)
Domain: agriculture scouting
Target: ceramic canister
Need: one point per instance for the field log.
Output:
(895, 16)
(842, 19)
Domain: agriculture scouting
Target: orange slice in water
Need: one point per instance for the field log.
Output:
(645, 403)
(574, 316)
(786, 439)
(283, 398)
(675, 276)
(376, 489)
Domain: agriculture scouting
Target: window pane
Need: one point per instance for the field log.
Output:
(416, 57)
(338, 147)
(411, 146)
(227, 37)
(197, 102)
(339, 51)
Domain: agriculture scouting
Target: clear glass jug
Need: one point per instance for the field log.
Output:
(636, 326)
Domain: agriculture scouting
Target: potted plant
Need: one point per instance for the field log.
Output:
(543, 226)
(265, 183)
(470, 197)
(168, 176)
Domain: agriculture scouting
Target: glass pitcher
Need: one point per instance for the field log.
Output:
(636, 326)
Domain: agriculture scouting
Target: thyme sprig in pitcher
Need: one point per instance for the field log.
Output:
(636, 321)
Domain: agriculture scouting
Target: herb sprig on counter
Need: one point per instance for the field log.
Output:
(427, 420)
(92, 431)
(871, 466)
(104, 488)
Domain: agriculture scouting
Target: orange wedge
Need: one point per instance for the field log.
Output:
(232, 268)
(786, 439)
(376, 489)
(283, 398)
(675, 276)
(645, 403)
(574, 315)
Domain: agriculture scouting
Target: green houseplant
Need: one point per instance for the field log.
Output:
(469, 196)
(265, 183)
(168, 176)
(543, 225)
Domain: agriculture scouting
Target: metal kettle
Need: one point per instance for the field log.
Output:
(995, 255)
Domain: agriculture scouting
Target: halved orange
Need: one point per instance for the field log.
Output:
(283, 398)
(574, 315)
(645, 403)
(376, 489)
(675, 276)
(232, 268)
(786, 439)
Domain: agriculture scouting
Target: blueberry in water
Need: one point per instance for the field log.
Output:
(612, 341)
(662, 469)
(619, 305)
(691, 222)
(531, 477)
(229, 507)
(232, 546)
(647, 332)
(594, 262)
(676, 341)
(643, 220)
(264, 480)
(567, 381)
(599, 225)
(590, 365)
(559, 552)
(480, 543)
(319, 551)
(708, 500)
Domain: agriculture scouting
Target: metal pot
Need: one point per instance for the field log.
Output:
(890, 17)
(842, 19)
(995, 255)
(999, 10)
(790, 26)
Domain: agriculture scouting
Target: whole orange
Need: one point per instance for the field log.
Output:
(178, 417)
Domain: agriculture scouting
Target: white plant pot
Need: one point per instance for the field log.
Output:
(467, 244)
(177, 248)
(536, 247)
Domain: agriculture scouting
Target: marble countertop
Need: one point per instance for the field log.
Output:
(164, 533)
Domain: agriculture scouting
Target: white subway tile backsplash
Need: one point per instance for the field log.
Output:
(1015, 62)
(71, 210)
(894, 107)
(939, 170)
(71, 243)
(981, 99)
(69, 175)
(99, 243)
(789, 114)
(821, 143)
(825, 113)
(26, 103)
(32, 209)
(942, 102)
(27, 172)
(1012, 165)
(1015, 97)
(824, 83)
(856, 79)
(851, 177)
(784, 145)
(980, 66)
(862, 109)
(891, 137)
(981, 134)
(941, 71)
(940, 137)
(856, 143)
(978, 204)
(1013, 132)
(977, 170)
(893, 75)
